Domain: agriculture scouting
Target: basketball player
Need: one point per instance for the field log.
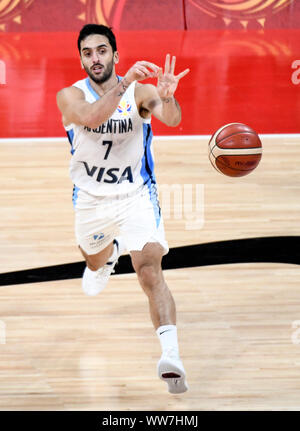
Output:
(107, 120)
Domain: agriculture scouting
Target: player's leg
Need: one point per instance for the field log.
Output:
(143, 234)
(96, 261)
(99, 267)
(147, 264)
(96, 236)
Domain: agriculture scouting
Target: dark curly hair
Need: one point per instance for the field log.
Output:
(89, 29)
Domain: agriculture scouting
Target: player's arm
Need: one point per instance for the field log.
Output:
(75, 109)
(167, 110)
(160, 100)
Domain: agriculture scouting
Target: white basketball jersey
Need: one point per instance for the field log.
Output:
(116, 157)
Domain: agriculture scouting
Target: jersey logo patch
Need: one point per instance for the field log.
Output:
(112, 175)
(98, 237)
(124, 108)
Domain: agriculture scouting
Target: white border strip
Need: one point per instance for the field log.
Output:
(159, 138)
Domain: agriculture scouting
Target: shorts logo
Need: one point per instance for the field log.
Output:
(124, 108)
(98, 237)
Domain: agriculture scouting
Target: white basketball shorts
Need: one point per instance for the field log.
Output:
(135, 217)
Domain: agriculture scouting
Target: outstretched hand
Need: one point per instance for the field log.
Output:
(167, 82)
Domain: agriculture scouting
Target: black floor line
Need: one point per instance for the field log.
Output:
(279, 249)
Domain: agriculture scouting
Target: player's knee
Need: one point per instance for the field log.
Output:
(149, 275)
(96, 261)
(92, 266)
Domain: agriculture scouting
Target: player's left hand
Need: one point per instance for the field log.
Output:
(167, 82)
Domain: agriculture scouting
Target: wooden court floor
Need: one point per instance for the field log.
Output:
(238, 324)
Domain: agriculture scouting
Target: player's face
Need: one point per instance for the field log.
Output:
(97, 57)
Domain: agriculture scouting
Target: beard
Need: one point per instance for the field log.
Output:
(107, 72)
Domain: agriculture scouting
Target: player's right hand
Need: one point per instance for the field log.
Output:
(141, 70)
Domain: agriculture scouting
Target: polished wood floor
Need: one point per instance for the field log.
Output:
(237, 323)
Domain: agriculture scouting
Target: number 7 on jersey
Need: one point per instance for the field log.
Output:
(109, 143)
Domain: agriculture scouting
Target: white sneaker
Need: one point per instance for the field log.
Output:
(93, 282)
(171, 371)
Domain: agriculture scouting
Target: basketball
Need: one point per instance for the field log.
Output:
(235, 150)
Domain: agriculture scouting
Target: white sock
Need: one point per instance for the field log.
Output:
(167, 335)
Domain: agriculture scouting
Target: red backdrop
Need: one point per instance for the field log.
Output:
(70, 15)
(240, 59)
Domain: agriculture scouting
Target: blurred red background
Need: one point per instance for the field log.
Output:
(240, 56)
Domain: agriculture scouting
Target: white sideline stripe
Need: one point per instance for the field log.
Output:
(156, 138)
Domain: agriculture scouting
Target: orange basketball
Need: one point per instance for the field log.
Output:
(235, 150)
